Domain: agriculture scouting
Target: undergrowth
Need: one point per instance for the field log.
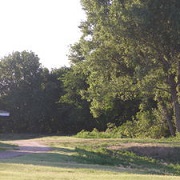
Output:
(117, 132)
(111, 132)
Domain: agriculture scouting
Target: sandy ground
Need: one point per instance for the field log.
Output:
(24, 147)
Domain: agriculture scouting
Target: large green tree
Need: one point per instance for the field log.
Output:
(155, 34)
(130, 49)
(89, 74)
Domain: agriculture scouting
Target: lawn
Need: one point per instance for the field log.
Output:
(88, 159)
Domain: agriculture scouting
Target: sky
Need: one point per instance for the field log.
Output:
(46, 27)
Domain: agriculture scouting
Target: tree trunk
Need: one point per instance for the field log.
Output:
(175, 103)
(166, 116)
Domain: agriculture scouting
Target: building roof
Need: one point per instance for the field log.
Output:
(4, 113)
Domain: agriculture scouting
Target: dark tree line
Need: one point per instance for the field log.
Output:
(29, 92)
(43, 101)
(125, 70)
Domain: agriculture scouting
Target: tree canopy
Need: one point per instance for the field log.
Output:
(130, 50)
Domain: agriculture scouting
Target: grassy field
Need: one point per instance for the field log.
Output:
(88, 159)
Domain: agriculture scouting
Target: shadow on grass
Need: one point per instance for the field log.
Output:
(5, 146)
(99, 159)
(128, 159)
(10, 137)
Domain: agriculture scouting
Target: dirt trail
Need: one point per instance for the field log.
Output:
(24, 147)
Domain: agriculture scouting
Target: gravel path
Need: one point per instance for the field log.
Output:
(24, 147)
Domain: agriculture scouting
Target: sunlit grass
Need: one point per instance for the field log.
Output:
(34, 172)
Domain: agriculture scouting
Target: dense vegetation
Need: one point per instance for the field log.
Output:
(124, 75)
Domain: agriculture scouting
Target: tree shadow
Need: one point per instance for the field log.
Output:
(12, 136)
(6, 146)
(129, 159)
(64, 150)
(57, 160)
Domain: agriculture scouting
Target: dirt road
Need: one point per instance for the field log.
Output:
(24, 147)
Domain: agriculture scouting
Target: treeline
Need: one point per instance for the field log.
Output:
(32, 95)
(43, 101)
(124, 75)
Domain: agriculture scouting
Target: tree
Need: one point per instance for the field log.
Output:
(20, 81)
(75, 110)
(50, 92)
(85, 74)
(156, 28)
(130, 50)
(109, 69)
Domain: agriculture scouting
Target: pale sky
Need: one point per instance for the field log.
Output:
(46, 27)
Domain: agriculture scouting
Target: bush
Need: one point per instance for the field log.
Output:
(111, 132)
(146, 124)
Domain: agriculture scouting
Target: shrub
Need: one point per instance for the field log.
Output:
(146, 124)
(111, 132)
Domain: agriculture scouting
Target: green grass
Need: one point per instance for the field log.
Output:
(6, 146)
(31, 172)
(88, 159)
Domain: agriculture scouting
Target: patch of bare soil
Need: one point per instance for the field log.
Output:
(24, 147)
(158, 151)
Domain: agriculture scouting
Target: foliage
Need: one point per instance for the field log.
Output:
(145, 126)
(29, 92)
(75, 110)
(96, 134)
(128, 51)
(111, 132)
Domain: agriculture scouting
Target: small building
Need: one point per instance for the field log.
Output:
(4, 113)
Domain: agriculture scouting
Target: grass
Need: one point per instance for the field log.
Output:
(6, 146)
(31, 172)
(74, 158)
